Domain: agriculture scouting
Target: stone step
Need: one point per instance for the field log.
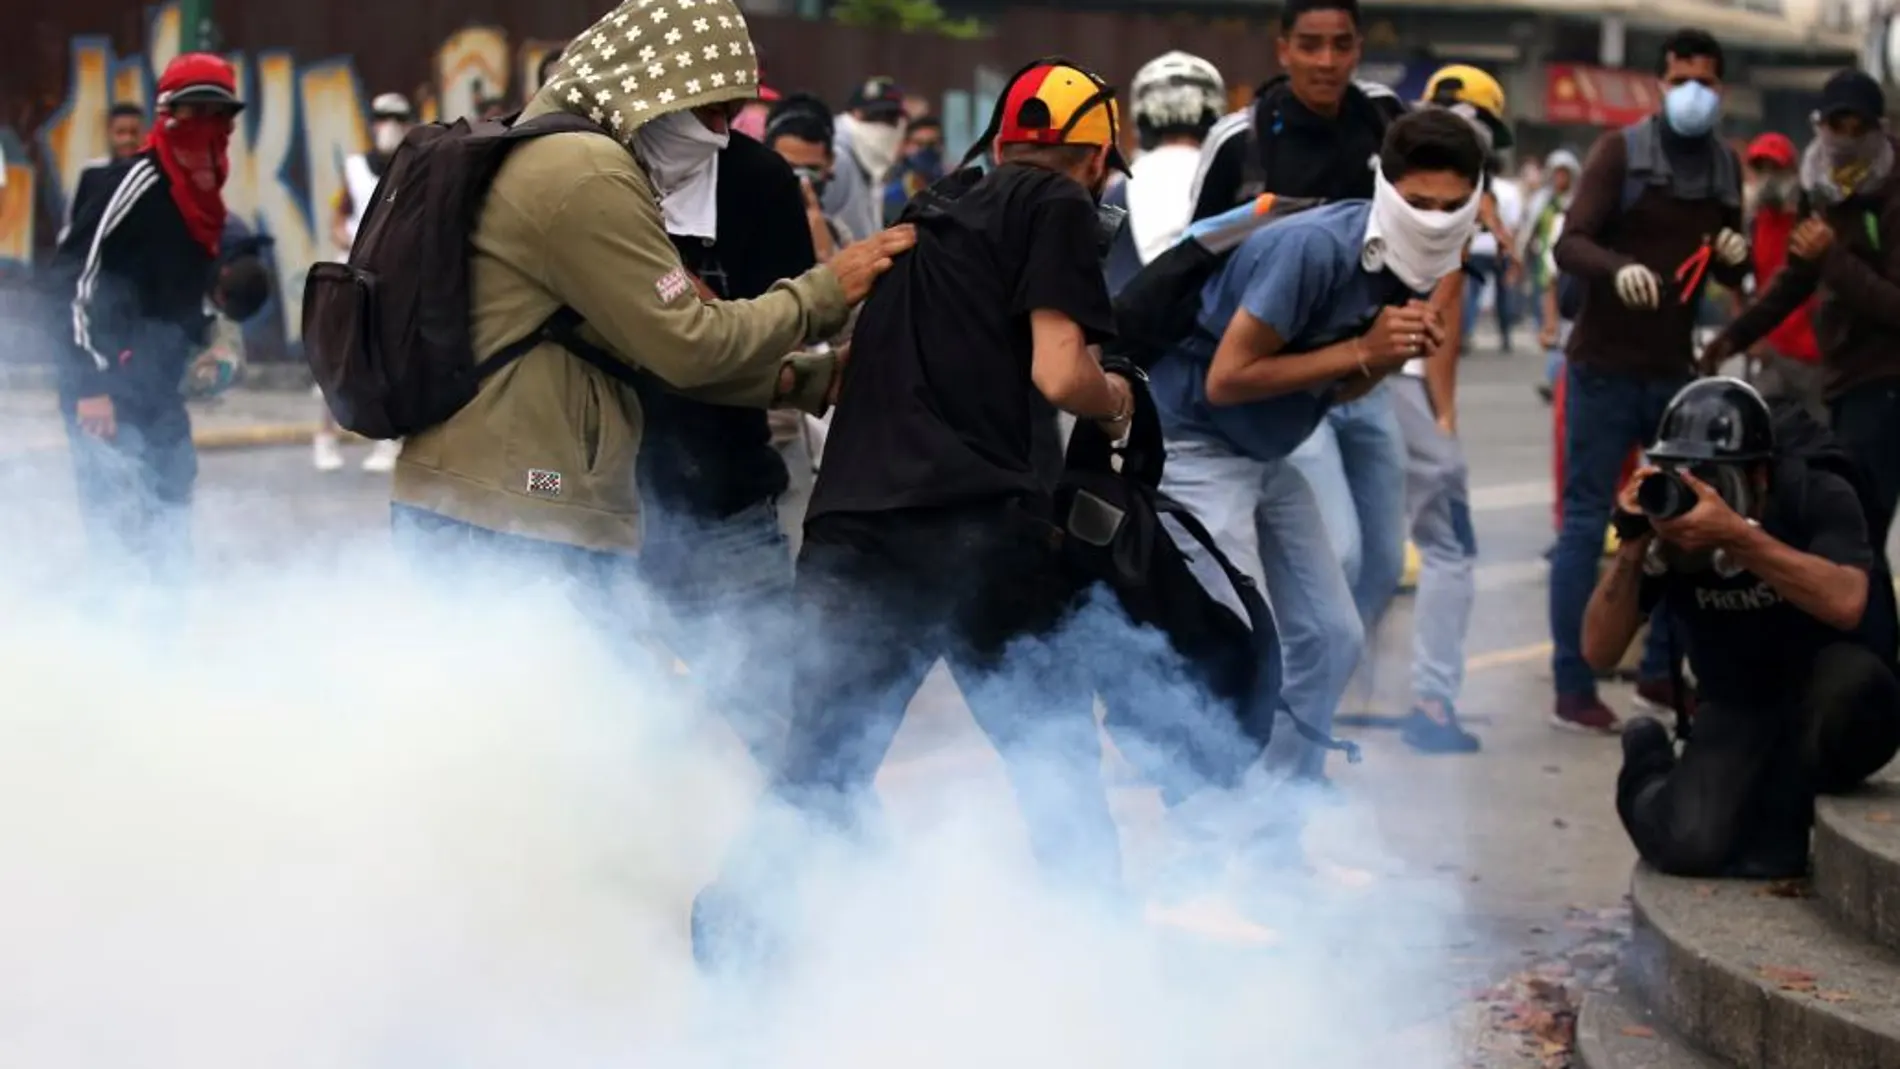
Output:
(1613, 1032)
(1761, 981)
(1857, 860)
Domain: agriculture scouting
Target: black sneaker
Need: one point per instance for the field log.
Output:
(1647, 746)
(1437, 734)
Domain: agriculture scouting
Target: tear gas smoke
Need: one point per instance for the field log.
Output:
(336, 818)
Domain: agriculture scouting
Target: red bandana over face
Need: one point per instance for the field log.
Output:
(195, 155)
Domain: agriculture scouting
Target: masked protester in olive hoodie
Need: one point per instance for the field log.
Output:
(541, 463)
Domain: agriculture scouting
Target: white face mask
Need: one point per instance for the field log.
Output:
(681, 157)
(876, 145)
(1420, 247)
(387, 135)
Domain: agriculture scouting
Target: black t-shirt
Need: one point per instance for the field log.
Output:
(714, 460)
(1300, 152)
(1747, 643)
(938, 407)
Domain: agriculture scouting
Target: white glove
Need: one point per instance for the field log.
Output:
(1638, 287)
(1731, 247)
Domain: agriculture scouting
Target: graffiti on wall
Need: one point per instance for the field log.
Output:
(303, 119)
(305, 116)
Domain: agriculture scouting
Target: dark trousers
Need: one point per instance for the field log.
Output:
(1605, 416)
(1866, 421)
(1740, 799)
(135, 490)
(880, 598)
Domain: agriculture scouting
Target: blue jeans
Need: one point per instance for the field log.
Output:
(726, 588)
(1605, 416)
(1438, 502)
(1267, 520)
(135, 491)
(1355, 464)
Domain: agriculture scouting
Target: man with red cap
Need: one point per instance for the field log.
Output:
(929, 533)
(141, 256)
(1785, 363)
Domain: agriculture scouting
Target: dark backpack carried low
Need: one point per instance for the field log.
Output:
(1112, 511)
(387, 334)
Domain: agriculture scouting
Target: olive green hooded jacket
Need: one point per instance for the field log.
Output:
(546, 449)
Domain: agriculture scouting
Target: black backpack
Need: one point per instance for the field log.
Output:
(387, 334)
(1111, 509)
(1161, 305)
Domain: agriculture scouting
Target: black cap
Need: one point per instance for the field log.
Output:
(877, 96)
(1852, 92)
(1715, 421)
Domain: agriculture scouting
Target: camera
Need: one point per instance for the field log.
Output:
(1664, 496)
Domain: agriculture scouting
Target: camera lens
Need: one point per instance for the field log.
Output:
(1664, 496)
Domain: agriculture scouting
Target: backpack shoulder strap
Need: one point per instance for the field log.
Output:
(554, 122)
(1259, 613)
(1254, 165)
(1632, 181)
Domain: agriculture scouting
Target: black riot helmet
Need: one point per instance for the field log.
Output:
(1715, 421)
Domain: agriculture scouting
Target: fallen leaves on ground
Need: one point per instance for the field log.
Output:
(1880, 816)
(1533, 1012)
(1834, 996)
(1785, 889)
(1788, 979)
(1639, 1031)
(1705, 890)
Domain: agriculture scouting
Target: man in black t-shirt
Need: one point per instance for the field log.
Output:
(714, 551)
(930, 530)
(1311, 132)
(1761, 556)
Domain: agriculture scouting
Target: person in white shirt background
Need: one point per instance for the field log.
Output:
(1177, 98)
(390, 119)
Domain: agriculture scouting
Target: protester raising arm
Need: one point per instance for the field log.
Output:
(1791, 288)
(1869, 290)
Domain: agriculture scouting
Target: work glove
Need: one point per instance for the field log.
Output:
(1731, 247)
(1638, 287)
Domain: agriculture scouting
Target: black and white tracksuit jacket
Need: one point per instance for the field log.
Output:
(138, 282)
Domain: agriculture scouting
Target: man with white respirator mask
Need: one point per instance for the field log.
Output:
(1307, 313)
(390, 120)
(1658, 211)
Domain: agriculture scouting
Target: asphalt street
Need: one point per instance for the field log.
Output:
(1520, 832)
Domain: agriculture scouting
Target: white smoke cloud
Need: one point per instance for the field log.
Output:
(337, 820)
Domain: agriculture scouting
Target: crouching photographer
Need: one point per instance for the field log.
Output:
(1750, 527)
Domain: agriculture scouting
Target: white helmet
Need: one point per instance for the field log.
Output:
(1176, 90)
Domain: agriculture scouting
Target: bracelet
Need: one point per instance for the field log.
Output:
(1124, 408)
(1359, 353)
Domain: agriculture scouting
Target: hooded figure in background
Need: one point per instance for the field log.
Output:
(867, 144)
(541, 464)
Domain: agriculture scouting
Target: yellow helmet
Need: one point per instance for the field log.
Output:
(1464, 84)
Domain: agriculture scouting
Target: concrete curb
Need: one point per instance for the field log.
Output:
(1614, 1033)
(1758, 980)
(1857, 860)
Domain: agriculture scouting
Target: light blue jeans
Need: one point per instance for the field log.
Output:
(1438, 504)
(1355, 463)
(1266, 519)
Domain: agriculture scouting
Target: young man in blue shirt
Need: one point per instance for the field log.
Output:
(1309, 312)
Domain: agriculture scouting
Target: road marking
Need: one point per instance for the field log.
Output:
(1500, 497)
(1506, 658)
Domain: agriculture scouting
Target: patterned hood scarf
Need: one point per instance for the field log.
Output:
(1835, 168)
(648, 58)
